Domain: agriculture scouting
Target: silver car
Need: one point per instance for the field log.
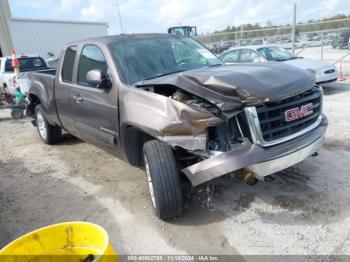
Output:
(324, 72)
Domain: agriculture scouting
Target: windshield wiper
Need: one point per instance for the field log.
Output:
(286, 59)
(165, 74)
(214, 65)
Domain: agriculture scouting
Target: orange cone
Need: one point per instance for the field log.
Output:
(340, 76)
(15, 61)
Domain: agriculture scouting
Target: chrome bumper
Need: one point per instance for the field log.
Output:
(282, 162)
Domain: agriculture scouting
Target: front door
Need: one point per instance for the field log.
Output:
(96, 112)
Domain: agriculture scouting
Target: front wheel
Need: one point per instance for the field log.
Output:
(48, 133)
(163, 179)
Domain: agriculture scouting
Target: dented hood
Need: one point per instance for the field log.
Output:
(231, 86)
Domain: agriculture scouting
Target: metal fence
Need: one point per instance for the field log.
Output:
(326, 40)
(306, 34)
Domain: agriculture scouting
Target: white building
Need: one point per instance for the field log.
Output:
(35, 36)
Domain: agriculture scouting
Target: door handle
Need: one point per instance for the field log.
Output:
(78, 98)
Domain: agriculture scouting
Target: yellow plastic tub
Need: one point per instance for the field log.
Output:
(71, 242)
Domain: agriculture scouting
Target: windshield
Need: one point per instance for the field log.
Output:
(273, 53)
(26, 64)
(146, 58)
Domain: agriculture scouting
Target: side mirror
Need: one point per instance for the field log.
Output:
(98, 78)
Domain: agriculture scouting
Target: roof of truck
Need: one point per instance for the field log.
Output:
(122, 37)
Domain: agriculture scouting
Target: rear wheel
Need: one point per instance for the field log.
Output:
(48, 133)
(163, 180)
(17, 113)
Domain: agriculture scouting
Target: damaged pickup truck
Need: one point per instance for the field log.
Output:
(167, 103)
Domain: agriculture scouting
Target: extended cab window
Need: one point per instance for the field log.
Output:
(91, 58)
(68, 64)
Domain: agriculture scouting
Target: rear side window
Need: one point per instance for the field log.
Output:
(68, 64)
(249, 56)
(26, 64)
(91, 58)
(231, 56)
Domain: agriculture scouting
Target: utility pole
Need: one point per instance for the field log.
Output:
(293, 27)
(120, 20)
(241, 37)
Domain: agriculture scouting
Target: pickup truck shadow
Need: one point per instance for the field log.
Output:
(334, 144)
(29, 201)
(287, 198)
(14, 121)
(336, 88)
(68, 139)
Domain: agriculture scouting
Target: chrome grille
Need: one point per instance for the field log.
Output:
(268, 123)
(272, 115)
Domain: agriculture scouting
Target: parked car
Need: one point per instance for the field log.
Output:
(257, 42)
(168, 103)
(312, 42)
(342, 40)
(324, 72)
(28, 63)
(218, 48)
(328, 40)
(288, 44)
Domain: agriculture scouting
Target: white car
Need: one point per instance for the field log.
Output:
(324, 72)
(28, 63)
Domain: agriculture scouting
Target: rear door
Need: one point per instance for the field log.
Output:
(96, 112)
(63, 88)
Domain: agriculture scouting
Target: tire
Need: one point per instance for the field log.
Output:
(17, 113)
(163, 180)
(48, 133)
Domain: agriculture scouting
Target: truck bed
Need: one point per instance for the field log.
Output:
(42, 85)
(45, 77)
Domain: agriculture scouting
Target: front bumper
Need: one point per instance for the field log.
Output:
(321, 77)
(260, 160)
(282, 162)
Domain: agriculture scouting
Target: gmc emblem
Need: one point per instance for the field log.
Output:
(296, 113)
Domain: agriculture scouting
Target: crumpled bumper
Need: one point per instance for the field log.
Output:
(260, 160)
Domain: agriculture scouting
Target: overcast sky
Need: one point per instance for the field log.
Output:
(157, 15)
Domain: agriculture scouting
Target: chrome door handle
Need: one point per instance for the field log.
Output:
(78, 98)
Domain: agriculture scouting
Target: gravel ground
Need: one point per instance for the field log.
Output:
(302, 210)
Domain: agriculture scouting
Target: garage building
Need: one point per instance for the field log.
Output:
(36, 36)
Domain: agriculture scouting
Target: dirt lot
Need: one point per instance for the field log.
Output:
(302, 210)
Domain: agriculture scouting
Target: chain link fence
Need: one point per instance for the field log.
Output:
(326, 40)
